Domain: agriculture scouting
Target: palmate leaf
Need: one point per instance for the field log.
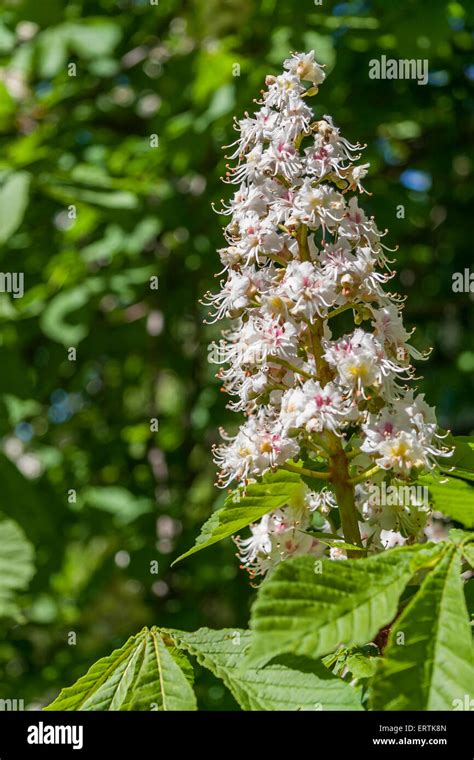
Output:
(310, 607)
(16, 566)
(428, 663)
(454, 498)
(287, 683)
(145, 674)
(274, 491)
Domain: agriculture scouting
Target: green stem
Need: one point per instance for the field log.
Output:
(364, 475)
(352, 453)
(278, 259)
(306, 471)
(303, 243)
(344, 491)
(319, 450)
(340, 310)
(292, 367)
(339, 464)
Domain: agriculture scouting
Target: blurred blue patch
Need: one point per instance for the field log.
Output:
(438, 78)
(58, 396)
(64, 405)
(414, 179)
(24, 431)
(83, 137)
(469, 71)
(43, 88)
(389, 156)
(456, 23)
(349, 9)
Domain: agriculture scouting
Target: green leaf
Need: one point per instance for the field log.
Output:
(114, 199)
(428, 662)
(13, 203)
(7, 107)
(360, 665)
(287, 683)
(333, 540)
(52, 50)
(461, 462)
(310, 607)
(469, 597)
(457, 472)
(274, 491)
(221, 103)
(16, 566)
(468, 552)
(93, 38)
(463, 455)
(19, 409)
(55, 318)
(460, 537)
(89, 39)
(142, 675)
(454, 498)
(120, 502)
(7, 39)
(356, 662)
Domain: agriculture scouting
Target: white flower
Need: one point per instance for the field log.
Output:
(336, 552)
(300, 251)
(234, 296)
(282, 158)
(320, 205)
(307, 290)
(323, 501)
(361, 363)
(356, 227)
(277, 537)
(401, 453)
(257, 448)
(355, 174)
(305, 67)
(403, 435)
(312, 408)
(282, 90)
(254, 130)
(391, 538)
(247, 199)
(259, 543)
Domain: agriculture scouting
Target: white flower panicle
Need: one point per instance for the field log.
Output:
(299, 253)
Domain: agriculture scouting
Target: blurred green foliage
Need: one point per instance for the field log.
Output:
(90, 210)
